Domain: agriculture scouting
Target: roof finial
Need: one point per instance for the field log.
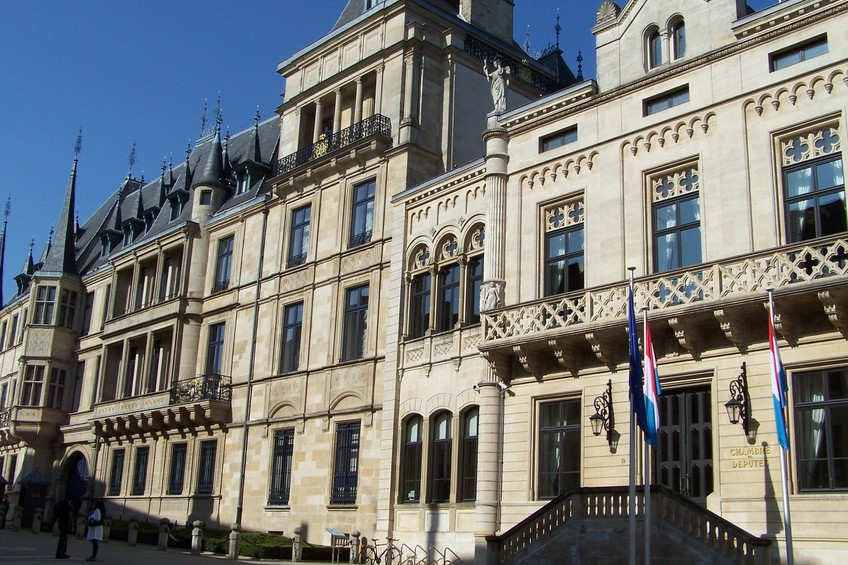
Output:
(164, 165)
(579, 65)
(188, 150)
(78, 144)
(527, 40)
(6, 211)
(132, 159)
(203, 117)
(219, 115)
(256, 117)
(50, 236)
(557, 29)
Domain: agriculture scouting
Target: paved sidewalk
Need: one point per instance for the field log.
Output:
(24, 547)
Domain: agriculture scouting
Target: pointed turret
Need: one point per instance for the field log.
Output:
(212, 173)
(6, 212)
(228, 166)
(254, 151)
(22, 279)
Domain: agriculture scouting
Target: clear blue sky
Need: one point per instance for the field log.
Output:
(140, 70)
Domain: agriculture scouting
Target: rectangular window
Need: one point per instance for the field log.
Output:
(564, 137)
(290, 347)
(410, 482)
(242, 182)
(116, 475)
(33, 383)
(419, 305)
(170, 280)
(362, 214)
(559, 447)
(88, 306)
(206, 470)
(205, 197)
(140, 471)
(281, 468)
(130, 376)
(346, 465)
(215, 351)
(355, 323)
(447, 299)
(821, 437)
(475, 282)
(468, 456)
(56, 389)
(176, 475)
(564, 261)
(676, 219)
(67, 309)
(78, 380)
(13, 467)
(798, 53)
(299, 236)
(4, 396)
(144, 288)
(176, 208)
(441, 447)
(106, 302)
(45, 300)
(3, 329)
(13, 332)
(223, 264)
(666, 100)
(815, 199)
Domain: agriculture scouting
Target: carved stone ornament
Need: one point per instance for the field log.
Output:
(491, 295)
(607, 11)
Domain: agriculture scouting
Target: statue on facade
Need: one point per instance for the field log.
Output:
(491, 295)
(497, 83)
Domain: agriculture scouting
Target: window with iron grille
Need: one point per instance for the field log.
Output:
(140, 470)
(116, 475)
(346, 465)
(281, 468)
(290, 347)
(206, 469)
(410, 482)
(441, 443)
(362, 213)
(223, 264)
(299, 236)
(176, 476)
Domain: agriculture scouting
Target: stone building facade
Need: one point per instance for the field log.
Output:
(390, 311)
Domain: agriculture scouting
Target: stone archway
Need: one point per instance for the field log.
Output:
(76, 485)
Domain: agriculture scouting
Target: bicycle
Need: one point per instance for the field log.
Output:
(391, 554)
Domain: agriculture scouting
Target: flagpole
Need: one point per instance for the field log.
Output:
(632, 489)
(787, 523)
(647, 472)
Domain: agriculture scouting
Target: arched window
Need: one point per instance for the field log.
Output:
(440, 457)
(468, 455)
(678, 39)
(410, 474)
(654, 48)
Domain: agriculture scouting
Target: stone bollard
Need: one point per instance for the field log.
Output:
(132, 533)
(17, 518)
(197, 538)
(81, 523)
(107, 530)
(36, 520)
(297, 545)
(354, 546)
(235, 540)
(164, 532)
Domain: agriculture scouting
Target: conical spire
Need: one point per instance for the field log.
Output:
(6, 212)
(22, 279)
(228, 166)
(213, 170)
(163, 188)
(254, 151)
(139, 207)
(61, 256)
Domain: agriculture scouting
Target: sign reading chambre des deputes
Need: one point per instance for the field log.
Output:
(751, 457)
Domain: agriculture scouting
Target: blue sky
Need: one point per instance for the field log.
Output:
(139, 71)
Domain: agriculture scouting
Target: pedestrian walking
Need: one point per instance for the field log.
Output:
(63, 514)
(95, 528)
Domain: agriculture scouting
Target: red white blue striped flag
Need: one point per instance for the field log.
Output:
(652, 390)
(779, 388)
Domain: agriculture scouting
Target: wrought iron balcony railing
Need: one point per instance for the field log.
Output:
(296, 260)
(5, 417)
(376, 125)
(736, 278)
(202, 387)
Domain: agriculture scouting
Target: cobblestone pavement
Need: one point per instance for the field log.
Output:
(23, 547)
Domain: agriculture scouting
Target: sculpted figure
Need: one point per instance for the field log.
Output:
(497, 83)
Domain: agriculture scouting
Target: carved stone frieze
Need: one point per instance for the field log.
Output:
(530, 360)
(565, 356)
(735, 326)
(835, 302)
(687, 333)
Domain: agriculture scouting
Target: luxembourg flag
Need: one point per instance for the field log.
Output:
(778, 383)
(652, 390)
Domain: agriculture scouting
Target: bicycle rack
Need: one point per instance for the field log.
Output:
(425, 560)
(455, 559)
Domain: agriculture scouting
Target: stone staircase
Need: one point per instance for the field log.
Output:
(588, 526)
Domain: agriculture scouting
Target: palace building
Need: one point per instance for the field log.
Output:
(400, 305)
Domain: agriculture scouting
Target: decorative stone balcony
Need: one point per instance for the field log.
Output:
(34, 425)
(699, 308)
(144, 316)
(377, 126)
(203, 401)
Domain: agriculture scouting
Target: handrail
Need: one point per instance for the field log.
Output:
(202, 387)
(5, 418)
(699, 286)
(376, 125)
(673, 510)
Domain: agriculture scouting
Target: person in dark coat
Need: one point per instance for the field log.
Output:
(63, 513)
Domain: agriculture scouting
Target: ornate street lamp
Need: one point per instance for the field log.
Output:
(604, 417)
(738, 407)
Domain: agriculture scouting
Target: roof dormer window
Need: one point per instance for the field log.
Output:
(242, 182)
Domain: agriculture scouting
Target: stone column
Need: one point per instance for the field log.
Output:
(337, 112)
(665, 42)
(492, 295)
(316, 130)
(357, 108)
